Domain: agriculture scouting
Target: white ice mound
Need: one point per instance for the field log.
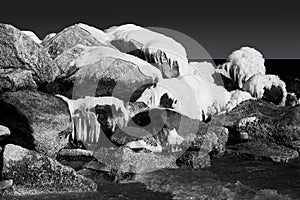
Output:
(168, 55)
(86, 127)
(267, 87)
(33, 36)
(191, 95)
(237, 97)
(242, 65)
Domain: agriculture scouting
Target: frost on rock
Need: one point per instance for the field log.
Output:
(86, 127)
(191, 95)
(33, 36)
(237, 97)
(168, 55)
(242, 65)
(267, 87)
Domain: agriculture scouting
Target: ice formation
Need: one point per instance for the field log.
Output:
(153, 45)
(242, 65)
(268, 87)
(191, 95)
(86, 127)
(33, 36)
(237, 97)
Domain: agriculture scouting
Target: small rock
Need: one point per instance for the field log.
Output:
(4, 132)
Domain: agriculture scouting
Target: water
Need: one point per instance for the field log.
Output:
(187, 183)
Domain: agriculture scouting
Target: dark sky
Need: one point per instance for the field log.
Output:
(220, 27)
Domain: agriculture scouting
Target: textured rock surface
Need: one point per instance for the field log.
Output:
(102, 71)
(73, 35)
(19, 52)
(263, 122)
(164, 52)
(124, 160)
(36, 121)
(262, 151)
(201, 185)
(34, 173)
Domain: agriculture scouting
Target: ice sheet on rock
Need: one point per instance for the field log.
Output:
(242, 65)
(237, 97)
(86, 127)
(91, 55)
(192, 95)
(150, 43)
(259, 83)
(33, 36)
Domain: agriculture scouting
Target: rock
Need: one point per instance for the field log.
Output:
(102, 71)
(33, 36)
(37, 121)
(19, 52)
(4, 184)
(34, 173)
(164, 52)
(18, 79)
(4, 132)
(75, 158)
(191, 95)
(291, 99)
(242, 65)
(201, 184)
(96, 166)
(193, 159)
(267, 87)
(263, 122)
(237, 97)
(124, 160)
(47, 38)
(73, 35)
(262, 151)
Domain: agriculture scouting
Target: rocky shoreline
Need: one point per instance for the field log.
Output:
(136, 88)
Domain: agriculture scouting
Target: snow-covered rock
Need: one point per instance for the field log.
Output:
(191, 95)
(291, 99)
(86, 128)
(47, 38)
(168, 55)
(73, 35)
(267, 87)
(242, 65)
(237, 97)
(33, 36)
(102, 71)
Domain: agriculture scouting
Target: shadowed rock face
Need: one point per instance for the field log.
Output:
(274, 94)
(37, 121)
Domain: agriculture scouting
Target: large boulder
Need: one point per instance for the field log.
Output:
(261, 121)
(36, 121)
(242, 64)
(23, 62)
(192, 95)
(102, 71)
(34, 173)
(73, 35)
(164, 52)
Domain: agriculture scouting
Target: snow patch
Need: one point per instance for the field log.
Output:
(237, 97)
(142, 144)
(33, 36)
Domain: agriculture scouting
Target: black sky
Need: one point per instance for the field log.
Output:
(220, 27)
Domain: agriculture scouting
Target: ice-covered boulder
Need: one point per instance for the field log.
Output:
(23, 62)
(242, 65)
(86, 127)
(164, 52)
(191, 95)
(33, 36)
(237, 97)
(206, 70)
(267, 87)
(102, 71)
(73, 35)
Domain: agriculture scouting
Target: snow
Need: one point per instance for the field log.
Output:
(142, 144)
(150, 43)
(33, 36)
(242, 65)
(237, 97)
(193, 94)
(90, 55)
(257, 85)
(96, 33)
(85, 121)
(204, 69)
